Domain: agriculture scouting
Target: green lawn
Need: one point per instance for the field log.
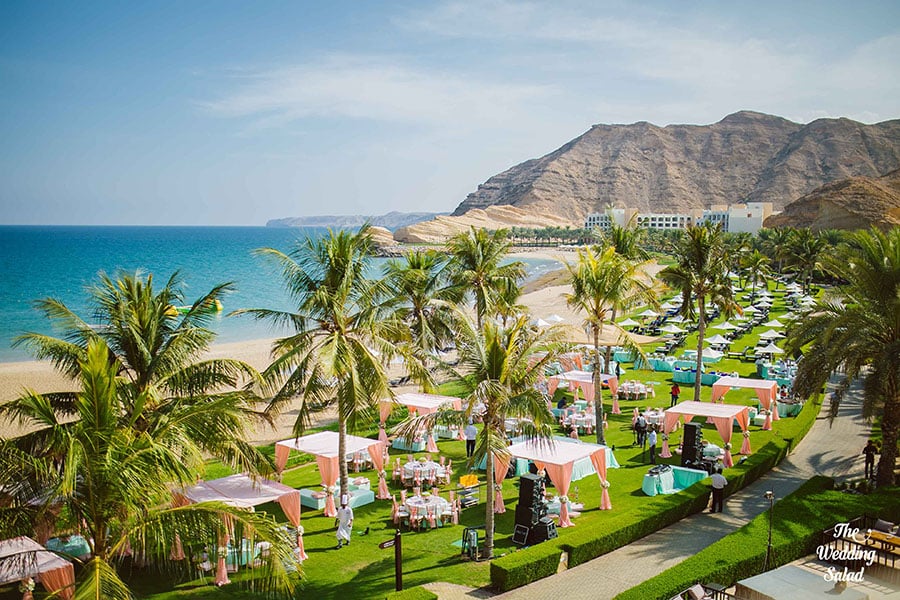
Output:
(364, 571)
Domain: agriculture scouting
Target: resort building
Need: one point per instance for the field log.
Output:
(735, 218)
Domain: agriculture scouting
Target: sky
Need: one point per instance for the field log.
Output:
(233, 113)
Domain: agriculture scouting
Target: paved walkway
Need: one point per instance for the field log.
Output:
(832, 449)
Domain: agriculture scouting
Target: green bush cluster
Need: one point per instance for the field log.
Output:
(531, 564)
(416, 593)
(523, 567)
(742, 554)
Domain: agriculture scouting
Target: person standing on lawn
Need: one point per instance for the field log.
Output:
(651, 440)
(718, 491)
(675, 391)
(870, 451)
(344, 522)
(471, 433)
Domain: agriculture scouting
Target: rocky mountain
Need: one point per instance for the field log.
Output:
(391, 221)
(852, 203)
(746, 156)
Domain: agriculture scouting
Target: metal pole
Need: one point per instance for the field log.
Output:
(398, 562)
(769, 545)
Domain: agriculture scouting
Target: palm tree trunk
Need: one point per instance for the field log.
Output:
(612, 318)
(701, 330)
(598, 390)
(890, 427)
(489, 500)
(342, 460)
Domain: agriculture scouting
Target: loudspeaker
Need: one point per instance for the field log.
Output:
(530, 515)
(543, 531)
(520, 535)
(690, 446)
(531, 489)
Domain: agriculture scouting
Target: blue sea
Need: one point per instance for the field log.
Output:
(60, 262)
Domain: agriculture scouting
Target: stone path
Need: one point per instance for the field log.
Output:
(832, 449)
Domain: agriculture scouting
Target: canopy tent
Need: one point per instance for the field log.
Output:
(423, 404)
(771, 334)
(648, 313)
(773, 323)
(725, 326)
(677, 319)
(770, 349)
(558, 460)
(722, 415)
(584, 380)
(324, 446)
(766, 390)
(718, 339)
(628, 323)
(671, 328)
(751, 310)
(540, 323)
(554, 318)
(243, 491)
(669, 305)
(22, 559)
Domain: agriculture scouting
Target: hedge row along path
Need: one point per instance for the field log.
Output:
(832, 449)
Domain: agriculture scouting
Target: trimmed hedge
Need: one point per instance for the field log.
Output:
(741, 554)
(523, 567)
(416, 593)
(530, 564)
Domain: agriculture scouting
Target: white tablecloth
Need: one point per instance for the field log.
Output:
(410, 469)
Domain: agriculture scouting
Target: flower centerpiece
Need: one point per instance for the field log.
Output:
(563, 500)
(747, 434)
(422, 460)
(468, 480)
(665, 437)
(728, 446)
(605, 484)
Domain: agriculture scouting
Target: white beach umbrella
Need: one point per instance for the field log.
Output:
(554, 318)
(770, 349)
(710, 353)
(628, 323)
(540, 323)
(669, 305)
(649, 313)
(725, 326)
(788, 316)
(671, 329)
(774, 323)
(678, 319)
(770, 335)
(751, 310)
(739, 318)
(718, 339)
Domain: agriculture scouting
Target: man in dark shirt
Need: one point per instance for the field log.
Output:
(870, 450)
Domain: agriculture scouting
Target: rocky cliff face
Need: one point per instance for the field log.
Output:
(746, 156)
(852, 203)
(493, 217)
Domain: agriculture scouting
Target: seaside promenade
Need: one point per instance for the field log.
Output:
(830, 448)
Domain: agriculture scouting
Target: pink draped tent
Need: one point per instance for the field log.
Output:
(722, 415)
(584, 381)
(243, 491)
(558, 459)
(324, 446)
(422, 404)
(766, 390)
(22, 559)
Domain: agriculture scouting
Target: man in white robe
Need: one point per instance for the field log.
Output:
(344, 522)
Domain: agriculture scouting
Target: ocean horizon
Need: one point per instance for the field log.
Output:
(58, 261)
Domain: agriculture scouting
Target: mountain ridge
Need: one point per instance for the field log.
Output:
(391, 221)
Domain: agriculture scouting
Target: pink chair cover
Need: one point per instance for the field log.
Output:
(62, 579)
(598, 459)
(501, 466)
(329, 470)
(376, 451)
(430, 444)
(454, 509)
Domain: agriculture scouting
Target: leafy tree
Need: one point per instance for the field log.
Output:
(857, 331)
(602, 284)
(93, 471)
(341, 334)
(801, 252)
(756, 264)
(701, 274)
(159, 351)
(477, 266)
(499, 368)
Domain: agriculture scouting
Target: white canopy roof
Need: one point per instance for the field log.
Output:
(718, 339)
(771, 335)
(770, 349)
(22, 557)
(429, 402)
(725, 325)
(540, 323)
(628, 323)
(671, 329)
(774, 323)
(649, 313)
(555, 318)
(553, 453)
(705, 409)
(238, 490)
(751, 309)
(678, 319)
(325, 443)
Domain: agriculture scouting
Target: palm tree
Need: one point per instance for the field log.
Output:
(422, 299)
(802, 252)
(159, 351)
(499, 368)
(756, 264)
(602, 283)
(772, 243)
(476, 265)
(341, 334)
(628, 239)
(701, 275)
(858, 331)
(92, 471)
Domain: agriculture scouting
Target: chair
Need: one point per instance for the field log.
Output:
(398, 471)
(415, 519)
(454, 510)
(430, 517)
(395, 509)
(448, 471)
(403, 516)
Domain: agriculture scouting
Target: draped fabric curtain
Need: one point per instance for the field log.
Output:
(281, 457)
(501, 466)
(329, 469)
(598, 459)
(177, 552)
(62, 579)
(725, 429)
(376, 451)
(224, 538)
(290, 504)
(669, 424)
(561, 476)
(384, 411)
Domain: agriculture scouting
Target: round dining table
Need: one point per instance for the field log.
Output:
(411, 468)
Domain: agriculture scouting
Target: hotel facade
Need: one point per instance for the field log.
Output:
(735, 218)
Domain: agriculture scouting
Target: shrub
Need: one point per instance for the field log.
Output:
(524, 566)
(741, 554)
(416, 593)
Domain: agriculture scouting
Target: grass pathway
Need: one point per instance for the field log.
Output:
(831, 449)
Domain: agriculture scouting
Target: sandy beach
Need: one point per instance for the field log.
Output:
(41, 377)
